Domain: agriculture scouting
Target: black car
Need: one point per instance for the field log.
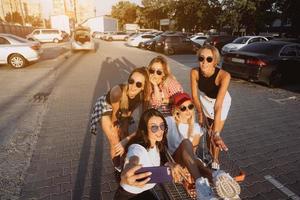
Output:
(219, 40)
(271, 62)
(150, 44)
(171, 44)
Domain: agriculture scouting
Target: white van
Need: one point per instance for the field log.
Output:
(45, 35)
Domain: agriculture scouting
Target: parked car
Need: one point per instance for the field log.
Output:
(171, 44)
(200, 39)
(97, 35)
(269, 62)
(139, 39)
(117, 36)
(82, 40)
(17, 52)
(219, 40)
(46, 35)
(150, 44)
(241, 42)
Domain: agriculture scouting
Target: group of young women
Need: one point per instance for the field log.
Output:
(168, 125)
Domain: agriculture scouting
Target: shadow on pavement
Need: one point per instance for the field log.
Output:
(52, 53)
(111, 74)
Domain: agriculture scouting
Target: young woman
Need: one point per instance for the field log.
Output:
(183, 136)
(113, 110)
(213, 99)
(164, 85)
(144, 150)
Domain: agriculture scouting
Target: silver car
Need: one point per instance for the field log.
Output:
(82, 40)
(17, 51)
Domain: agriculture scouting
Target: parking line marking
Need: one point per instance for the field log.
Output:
(282, 188)
(282, 101)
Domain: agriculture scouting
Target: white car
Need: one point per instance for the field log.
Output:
(46, 35)
(241, 42)
(17, 51)
(199, 39)
(117, 36)
(82, 40)
(139, 39)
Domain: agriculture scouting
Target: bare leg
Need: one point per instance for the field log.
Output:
(185, 156)
(215, 151)
(111, 135)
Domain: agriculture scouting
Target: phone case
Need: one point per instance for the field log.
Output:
(159, 174)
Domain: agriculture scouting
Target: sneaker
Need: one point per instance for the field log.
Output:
(203, 190)
(226, 186)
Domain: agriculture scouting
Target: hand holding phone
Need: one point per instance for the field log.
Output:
(159, 174)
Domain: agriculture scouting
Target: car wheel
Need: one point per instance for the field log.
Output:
(17, 61)
(126, 38)
(275, 79)
(30, 39)
(169, 51)
(140, 45)
(55, 40)
(110, 39)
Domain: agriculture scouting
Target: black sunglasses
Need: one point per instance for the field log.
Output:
(154, 128)
(158, 72)
(137, 84)
(190, 107)
(209, 59)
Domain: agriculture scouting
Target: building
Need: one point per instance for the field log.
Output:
(79, 10)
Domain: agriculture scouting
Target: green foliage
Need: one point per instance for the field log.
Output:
(125, 12)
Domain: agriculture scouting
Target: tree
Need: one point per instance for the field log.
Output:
(125, 12)
(15, 17)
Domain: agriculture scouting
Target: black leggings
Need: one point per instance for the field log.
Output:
(185, 156)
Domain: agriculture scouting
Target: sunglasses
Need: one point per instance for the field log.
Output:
(155, 128)
(184, 108)
(137, 83)
(158, 72)
(209, 59)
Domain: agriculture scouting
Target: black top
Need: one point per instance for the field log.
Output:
(208, 85)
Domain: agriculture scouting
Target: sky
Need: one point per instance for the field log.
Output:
(103, 7)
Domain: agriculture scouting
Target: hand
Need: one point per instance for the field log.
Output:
(177, 171)
(120, 147)
(218, 141)
(129, 177)
(153, 80)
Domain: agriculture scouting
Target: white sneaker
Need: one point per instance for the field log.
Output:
(203, 190)
(215, 165)
(226, 186)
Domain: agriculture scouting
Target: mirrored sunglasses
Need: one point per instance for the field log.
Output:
(154, 128)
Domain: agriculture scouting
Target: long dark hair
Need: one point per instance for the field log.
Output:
(144, 95)
(141, 136)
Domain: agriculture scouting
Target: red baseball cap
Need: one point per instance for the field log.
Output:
(180, 98)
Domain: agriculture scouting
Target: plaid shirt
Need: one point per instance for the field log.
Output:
(168, 89)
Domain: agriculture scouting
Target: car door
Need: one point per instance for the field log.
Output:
(4, 49)
(187, 45)
(289, 62)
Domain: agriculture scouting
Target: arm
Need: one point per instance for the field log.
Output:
(115, 96)
(194, 77)
(224, 84)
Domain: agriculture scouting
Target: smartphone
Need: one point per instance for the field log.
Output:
(159, 174)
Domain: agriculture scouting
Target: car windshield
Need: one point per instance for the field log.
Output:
(18, 39)
(262, 48)
(241, 40)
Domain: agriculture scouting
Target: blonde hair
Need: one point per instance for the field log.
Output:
(144, 95)
(214, 51)
(176, 113)
(164, 63)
